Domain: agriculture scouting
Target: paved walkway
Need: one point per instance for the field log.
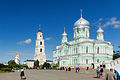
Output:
(51, 75)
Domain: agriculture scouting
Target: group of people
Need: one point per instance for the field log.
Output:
(110, 75)
(100, 71)
(77, 69)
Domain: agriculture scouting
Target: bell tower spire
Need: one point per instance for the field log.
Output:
(39, 27)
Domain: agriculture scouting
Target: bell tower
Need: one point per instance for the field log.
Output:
(17, 60)
(40, 48)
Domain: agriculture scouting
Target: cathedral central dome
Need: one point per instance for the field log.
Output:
(81, 23)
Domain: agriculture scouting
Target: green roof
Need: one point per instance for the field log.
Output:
(49, 61)
(33, 61)
(29, 60)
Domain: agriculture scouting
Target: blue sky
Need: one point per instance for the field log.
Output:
(19, 20)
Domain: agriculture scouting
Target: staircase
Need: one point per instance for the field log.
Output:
(115, 64)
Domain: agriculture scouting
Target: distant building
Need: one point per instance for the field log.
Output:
(17, 60)
(30, 63)
(82, 51)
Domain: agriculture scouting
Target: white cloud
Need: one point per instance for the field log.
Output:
(97, 22)
(12, 52)
(108, 22)
(28, 41)
(112, 22)
(47, 39)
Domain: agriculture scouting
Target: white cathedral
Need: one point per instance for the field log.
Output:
(82, 51)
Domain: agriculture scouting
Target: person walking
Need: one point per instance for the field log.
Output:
(101, 71)
(117, 74)
(76, 69)
(98, 72)
(22, 75)
(111, 75)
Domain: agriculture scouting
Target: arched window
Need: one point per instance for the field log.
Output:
(75, 61)
(40, 43)
(97, 60)
(86, 61)
(40, 50)
(98, 50)
(86, 49)
(76, 50)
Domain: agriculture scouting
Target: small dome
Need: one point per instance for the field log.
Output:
(64, 34)
(100, 30)
(81, 23)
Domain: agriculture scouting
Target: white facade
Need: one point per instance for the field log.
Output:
(17, 60)
(29, 63)
(40, 48)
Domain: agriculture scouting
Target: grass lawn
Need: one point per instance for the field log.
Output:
(2, 71)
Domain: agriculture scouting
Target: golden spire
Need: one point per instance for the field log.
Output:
(81, 13)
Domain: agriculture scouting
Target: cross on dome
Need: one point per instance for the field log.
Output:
(81, 13)
(100, 29)
(39, 28)
(64, 32)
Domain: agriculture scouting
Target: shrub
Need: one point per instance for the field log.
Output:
(47, 65)
(7, 69)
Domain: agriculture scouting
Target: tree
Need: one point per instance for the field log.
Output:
(11, 62)
(116, 54)
(47, 65)
(53, 65)
(36, 63)
(1, 66)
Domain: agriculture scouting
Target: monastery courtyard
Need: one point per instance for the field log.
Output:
(51, 75)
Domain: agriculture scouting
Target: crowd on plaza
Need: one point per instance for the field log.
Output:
(108, 75)
(100, 71)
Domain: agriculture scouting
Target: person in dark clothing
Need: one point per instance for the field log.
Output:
(69, 69)
(93, 66)
(87, 68)
(101, 71)
(22, 75)
(117, 74)
(78, 69)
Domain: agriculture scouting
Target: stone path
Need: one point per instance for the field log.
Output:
(51, 75)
